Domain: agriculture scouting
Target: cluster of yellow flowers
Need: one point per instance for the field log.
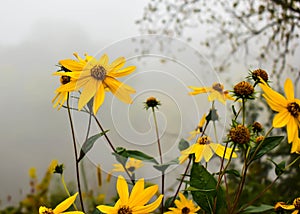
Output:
(94, 77)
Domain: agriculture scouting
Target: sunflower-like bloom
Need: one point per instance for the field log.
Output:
(198, 129)
(94, 76)
(135, 202)
(183, 206)
(216, 92)
(288, 111)
(61, 207)
(131, 165)
(295, 206)
(204, 148)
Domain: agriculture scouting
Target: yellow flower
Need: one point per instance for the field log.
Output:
(94, 76)
(295, 206)
(204, 148)
(288, 111)
(131, 165)
(61, 207)
(198, 129)
(216, 92)
(135, 202)
(183, 206)
(32, 173)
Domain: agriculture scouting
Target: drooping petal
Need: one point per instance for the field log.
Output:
(207, 153)
(120, 90)
(65, 204)
(281, 119)
(275, 106)
(220, 149)
(273, 95)
(198, 150)
(72, 86)
(292, 129)
(88, 92)
(99, 98)
(200, 90)
(289, 89)
(122, 189)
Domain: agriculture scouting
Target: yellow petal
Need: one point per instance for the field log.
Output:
(292, 129)
(148, 208)
(198, 153)
(123, 72)
(275, 106)
(287, 207)
(65, 204)
(273, 95)
(200, 90)
(135, 195)
(88, 92)
(207, 153)
(72, 65)
(117, 64)
(281, 119)
(120, 90)
(107, 209)
(144, 196)
(289, 89)
(99, 98)
(122, 189)
(103, 60)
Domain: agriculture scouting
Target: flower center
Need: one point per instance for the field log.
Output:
(218, 87)
(65, 79)
(203, 140)
(185, 210)
(48, 211)
(294, 109)
(98, 72)
(124, 210)
(296, 203)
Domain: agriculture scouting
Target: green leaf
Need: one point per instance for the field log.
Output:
(232, 172)
(141, 156)
(88, 144)
(205, 183)
(183, 144)
(134, 154)
(259, 209)
(268, 144)
(163, 167)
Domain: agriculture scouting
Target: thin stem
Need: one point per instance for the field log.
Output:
(113, 148)
(181, 181)
(66, 189)
(161, 159)
(75, 154)
(268, 187)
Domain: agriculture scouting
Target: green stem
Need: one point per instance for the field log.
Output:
(160, 157)
(268, 187)
(113, 148)
(75, 154)
(181, 181)
(66, 189)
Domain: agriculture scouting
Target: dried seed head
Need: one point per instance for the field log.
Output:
(243, 90)
(257, 127)
(259, 73)
(239, 134)
(152, 102)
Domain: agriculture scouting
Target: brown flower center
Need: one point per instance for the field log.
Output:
(243, 89)
(185, 210)
(257, 127)
(48, 211)
(98, 72)
(124, 210)
(294, 109)
(240, 134)
(218, 87)
(65, 79)
(260, 73)
(152, 102)
(296, 203)
(203, 140)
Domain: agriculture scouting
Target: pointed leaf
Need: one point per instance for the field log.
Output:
(202, 180)
(259, 209)
(88, 144)
(268, 144)
(134, 154)
(163, 167)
